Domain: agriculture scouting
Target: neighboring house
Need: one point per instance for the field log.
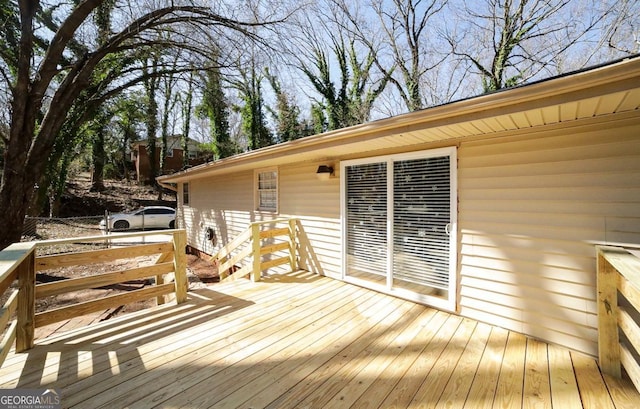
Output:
(489, 207)
(173, 161)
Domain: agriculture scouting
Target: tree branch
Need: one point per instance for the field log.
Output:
(59, 42)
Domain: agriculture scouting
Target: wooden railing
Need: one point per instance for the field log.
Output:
(19, 261)
(618, 327)
(250, 245)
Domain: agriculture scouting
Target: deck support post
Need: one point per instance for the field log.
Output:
(608, 339)
(160, 278)
(292, 244)
(26, 310)
(255, 244)
(180, 264)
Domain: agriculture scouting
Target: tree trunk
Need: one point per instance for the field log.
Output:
(186, 122)
(11, 202)
(125, 166)
(15, 196)
(39, 197)
(54, 205)
(98, 155)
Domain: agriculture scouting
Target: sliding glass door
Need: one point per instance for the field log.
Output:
(399, 218)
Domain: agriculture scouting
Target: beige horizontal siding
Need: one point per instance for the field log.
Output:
(531, 210)
(317, 204)
(226, 204)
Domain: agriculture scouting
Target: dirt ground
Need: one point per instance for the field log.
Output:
(200, 273)
(118, 195)
(79, 201)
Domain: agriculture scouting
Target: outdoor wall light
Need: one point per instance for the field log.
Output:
(324, 172)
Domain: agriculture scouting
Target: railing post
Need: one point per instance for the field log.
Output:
(608, 339)
(257, 258)
(26, 303)
(180, 263)
(160, 279)
(292, 244)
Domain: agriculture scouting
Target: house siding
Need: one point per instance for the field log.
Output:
(224, 204)
(531, 210)
(316, 203)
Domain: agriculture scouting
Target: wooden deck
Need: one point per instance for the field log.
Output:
(305, 341)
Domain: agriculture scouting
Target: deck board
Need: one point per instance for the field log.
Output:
(511, 381)
(304, 341)
(485, 382)
(564, 387)
(306, 351)
(436, 381)
(593, 391)
(383, 386)
(325, 381)
(459, 385)
(537, 385)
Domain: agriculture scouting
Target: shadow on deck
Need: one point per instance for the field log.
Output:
(300, 340)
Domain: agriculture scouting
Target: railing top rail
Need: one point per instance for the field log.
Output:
(280, 220)
(627, 264)
(53, 242)
(12, 256)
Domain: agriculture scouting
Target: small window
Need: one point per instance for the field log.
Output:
(267, 190)
(169, 153)
(185, 193)
(193, 155)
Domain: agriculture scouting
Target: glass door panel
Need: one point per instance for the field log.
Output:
(421, 222)
(366, 222)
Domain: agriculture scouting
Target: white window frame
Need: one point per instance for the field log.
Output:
(450, 303)
(188, 194)
(257, 191)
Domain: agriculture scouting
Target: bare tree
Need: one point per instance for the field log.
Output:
(169, 101)
(151, 84)
(508, 42)
(129, 117)
(45, 76)
(252, 108)
(186, 103)
(620, 31)
(102, 19)
(339, 68)
(214, 106)
(286, 113)
(401, 42)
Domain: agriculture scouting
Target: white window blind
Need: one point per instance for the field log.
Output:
(366, 218)
(421, 217)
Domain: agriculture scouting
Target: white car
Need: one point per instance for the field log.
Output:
(150, 217)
